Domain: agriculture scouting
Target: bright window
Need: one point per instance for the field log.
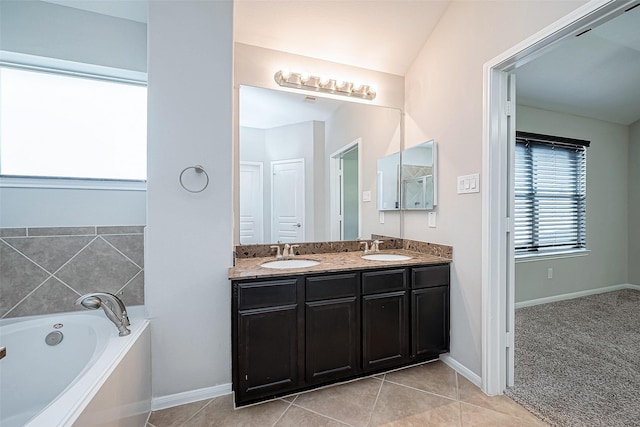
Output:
(550, 194)
(59, 125)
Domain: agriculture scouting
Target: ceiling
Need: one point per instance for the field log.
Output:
(594, 75)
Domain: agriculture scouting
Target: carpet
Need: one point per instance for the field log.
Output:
(577, 362)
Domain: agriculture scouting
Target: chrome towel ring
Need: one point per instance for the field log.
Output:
(200, 170)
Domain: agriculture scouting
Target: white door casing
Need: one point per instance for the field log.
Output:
(498, 282)
(287, 201)
(251, 203)
(336, 179)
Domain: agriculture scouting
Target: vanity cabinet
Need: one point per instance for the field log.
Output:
(267, 325)
(293, 333)
(332, 326)
(385, 320)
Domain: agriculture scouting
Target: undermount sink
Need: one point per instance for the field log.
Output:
(290, 263)
(386, 257)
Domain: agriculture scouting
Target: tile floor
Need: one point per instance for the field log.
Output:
(430, 394)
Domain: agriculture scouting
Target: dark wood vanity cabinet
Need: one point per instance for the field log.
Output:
(268, 337)
(293, 333)
(332, 326)
(385, 320)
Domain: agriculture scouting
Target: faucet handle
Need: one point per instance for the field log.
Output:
(376, 245)
(278, 255)
(292, 251)
(366, 246)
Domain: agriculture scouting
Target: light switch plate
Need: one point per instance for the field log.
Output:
(431, 219)
(366, 196)
(381, 217)
(469, 183)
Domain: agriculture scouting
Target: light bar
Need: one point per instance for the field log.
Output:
(319, 84)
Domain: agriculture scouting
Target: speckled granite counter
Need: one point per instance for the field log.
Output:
(249, 268)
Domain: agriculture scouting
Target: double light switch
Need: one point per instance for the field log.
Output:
(469, 183)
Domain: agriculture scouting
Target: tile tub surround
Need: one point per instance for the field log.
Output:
(248, 268)
(44, 270)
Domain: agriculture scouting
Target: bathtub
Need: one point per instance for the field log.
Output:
(91, 377)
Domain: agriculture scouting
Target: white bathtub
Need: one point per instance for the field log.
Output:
(91, 377)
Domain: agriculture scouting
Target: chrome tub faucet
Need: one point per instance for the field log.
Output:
(113, 307)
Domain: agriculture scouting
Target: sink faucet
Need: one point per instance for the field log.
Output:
(366, 246)
(375, 245)
(113, 307)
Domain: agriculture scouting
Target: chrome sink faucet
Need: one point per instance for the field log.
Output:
(113, 308)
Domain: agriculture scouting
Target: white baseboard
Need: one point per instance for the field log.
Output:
(461, 369)
(573, 295)
(164, 402)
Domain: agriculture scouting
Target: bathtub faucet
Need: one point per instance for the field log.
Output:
(112, 305)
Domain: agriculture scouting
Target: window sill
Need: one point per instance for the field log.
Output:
(71, 183)
(552, 255)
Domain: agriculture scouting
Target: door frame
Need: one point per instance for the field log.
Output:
(498, 282)
(260, 166)
(304, 198)
(334, 185)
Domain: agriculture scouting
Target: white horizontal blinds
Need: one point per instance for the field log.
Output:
(550, 193)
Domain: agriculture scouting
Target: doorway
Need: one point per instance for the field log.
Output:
(498, 281)
(287, 201)
(345, 190)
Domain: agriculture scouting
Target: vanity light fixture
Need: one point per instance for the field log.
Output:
(322, 84)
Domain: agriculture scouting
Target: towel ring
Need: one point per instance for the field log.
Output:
(198, 169)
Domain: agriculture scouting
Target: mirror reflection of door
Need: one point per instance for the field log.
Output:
(345, 204)
(287, 200)
(251, 206)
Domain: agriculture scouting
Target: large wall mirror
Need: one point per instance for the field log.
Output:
(308, 167)
(419, 177)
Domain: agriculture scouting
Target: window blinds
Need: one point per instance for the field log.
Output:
(550, 193)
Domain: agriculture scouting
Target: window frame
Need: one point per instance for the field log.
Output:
(533, 252)
(61, 67)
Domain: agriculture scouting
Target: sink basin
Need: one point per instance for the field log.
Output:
(290, 263)
(386, 257)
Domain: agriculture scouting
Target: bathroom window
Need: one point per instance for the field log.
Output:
(550, 194)
(62, 125)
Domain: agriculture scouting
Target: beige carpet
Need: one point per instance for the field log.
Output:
(577, 362)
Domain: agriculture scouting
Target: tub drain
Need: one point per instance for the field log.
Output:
(54, 338)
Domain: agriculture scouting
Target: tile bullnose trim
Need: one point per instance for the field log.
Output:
(171, 400)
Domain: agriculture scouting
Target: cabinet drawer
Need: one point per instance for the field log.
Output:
(266, 293)
(427, 277)
(374, 282)
(331, 286)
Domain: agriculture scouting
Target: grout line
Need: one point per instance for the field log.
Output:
(322, 415)
(384, 377)
(457, 386)
(198, 411)
(284, 412)
(74, 256)
(422, 391)
(26, 296)
(28, 259)
(119, 251)
(129, 281)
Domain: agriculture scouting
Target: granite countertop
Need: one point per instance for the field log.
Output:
(249, 268)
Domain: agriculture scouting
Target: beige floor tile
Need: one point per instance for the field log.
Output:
(290, 398)
(470, 393)
(174, 417)
(220, 412)
(474, 416)
(350, 403)
(434, 377)
(298, 417)
(402, 406)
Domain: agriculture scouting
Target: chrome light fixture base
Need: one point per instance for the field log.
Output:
(318, 84)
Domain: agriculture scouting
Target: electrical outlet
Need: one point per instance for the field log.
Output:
(549, 273)
(431, 219)
(381, 217)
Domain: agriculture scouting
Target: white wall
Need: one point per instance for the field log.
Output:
(444, 101)
(634, 203)
(188, 239)
(607, 208)
(379, 129)
(54, 31)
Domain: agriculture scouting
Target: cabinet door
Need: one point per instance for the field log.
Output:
(267, 351)
(429, 322)
(333, 339)
(384, 330)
